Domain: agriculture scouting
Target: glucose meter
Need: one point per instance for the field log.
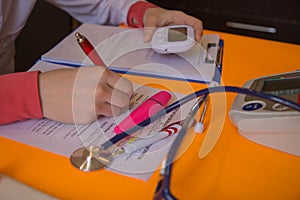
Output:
(268, 123)
(173, 39)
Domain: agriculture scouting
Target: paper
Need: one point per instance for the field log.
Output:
(63, 139)
(124, 50)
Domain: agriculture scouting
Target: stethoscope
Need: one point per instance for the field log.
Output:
(163, 191)
(96, 157)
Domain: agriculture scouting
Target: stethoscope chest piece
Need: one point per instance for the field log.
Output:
(86, 159)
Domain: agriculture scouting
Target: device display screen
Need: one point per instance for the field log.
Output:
(287, 87)
(177, 34)
(283, 85)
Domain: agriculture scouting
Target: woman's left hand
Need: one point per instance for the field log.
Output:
(157, 17)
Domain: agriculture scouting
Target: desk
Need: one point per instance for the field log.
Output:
(236, 168)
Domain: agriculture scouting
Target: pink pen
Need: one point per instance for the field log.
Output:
(147, 109)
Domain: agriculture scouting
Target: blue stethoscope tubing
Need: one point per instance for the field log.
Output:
(192, 96)
(163, 188)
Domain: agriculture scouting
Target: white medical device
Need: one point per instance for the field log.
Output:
(268, 123)
(173, 39)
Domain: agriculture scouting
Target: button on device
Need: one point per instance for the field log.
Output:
(279, 107)
(254, 105)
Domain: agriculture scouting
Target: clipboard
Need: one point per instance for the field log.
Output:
(137, 58)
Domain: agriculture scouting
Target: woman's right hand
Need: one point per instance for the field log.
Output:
(80, 95)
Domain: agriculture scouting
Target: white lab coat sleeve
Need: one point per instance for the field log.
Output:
(108, 12)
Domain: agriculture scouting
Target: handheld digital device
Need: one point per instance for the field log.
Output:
(268, 123)
(173, 39)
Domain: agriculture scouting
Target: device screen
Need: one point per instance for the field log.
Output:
(283, 86)
(177, 34)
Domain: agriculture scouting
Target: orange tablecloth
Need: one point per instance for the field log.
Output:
(236, 168)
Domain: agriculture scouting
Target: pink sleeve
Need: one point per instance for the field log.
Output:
(136, 13)
(19, 97)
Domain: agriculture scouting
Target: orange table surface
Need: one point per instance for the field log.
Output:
(235, 169)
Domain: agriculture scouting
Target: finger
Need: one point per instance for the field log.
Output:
(107, 109)
(148, 33)
(179, 17)
(154, 17)
(105, 93)
(198, 28)
(118, 82)
(120, 99)
(150, 25)
(194, 22)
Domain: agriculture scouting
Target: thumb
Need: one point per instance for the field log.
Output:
(150, 24)
(148, 33)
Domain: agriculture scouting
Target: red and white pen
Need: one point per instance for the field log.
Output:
(89, 49)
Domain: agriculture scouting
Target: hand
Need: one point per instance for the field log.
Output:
(157, 17)
(83, 94)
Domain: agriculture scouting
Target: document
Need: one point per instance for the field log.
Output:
(63, 139)
(124, 51)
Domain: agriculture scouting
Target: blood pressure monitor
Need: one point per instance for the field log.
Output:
(268, 123)
(173, 39)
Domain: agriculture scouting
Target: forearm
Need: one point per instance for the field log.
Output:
(19, 97)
